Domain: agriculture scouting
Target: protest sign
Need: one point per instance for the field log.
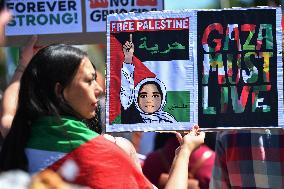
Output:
(67, 21)
(150, 72)
(221, 72)
(240, 76)
(44, 17)
(97, 10)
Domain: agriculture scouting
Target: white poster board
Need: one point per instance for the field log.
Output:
(44, 17)
(97, 10)
(154, 88)
(168, 70)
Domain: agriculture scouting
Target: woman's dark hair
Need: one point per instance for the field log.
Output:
(37, 97)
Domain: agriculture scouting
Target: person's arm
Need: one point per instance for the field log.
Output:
(5, 16)
(127, 75)
(10, 96)
(178, 177)
(192, 183)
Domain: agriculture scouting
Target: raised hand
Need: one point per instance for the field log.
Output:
(128, 50)
(5, 16)
(28, 51)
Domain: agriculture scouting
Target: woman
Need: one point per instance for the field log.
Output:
(57, 96)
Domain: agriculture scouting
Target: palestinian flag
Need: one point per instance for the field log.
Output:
(81, 156)
(170, 64)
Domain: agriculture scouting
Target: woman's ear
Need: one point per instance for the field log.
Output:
(58, 89)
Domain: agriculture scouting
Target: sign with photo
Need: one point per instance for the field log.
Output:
(150, 72)
(170, 70)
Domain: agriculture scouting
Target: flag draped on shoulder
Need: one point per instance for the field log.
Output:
(93, 160)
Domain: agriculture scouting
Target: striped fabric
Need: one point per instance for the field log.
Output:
(249, 159)
(98, 162)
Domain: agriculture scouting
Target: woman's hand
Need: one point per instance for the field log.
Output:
(28, 51)
(179, 171)
(5, 16)
(193, 184)
(191, 140)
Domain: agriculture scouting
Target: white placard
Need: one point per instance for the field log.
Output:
(44, 17)
(97, 10)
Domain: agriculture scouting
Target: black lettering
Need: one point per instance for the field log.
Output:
(12, 22)
(21, 17)
(114, 3)
(67, 18)
(95, 16)
(145, 10)
(54, 19)
(124, 2)
(122, 11)
(51, 5)
(31, 7)
(10, 5)
(61, 6)
(139, 10)
(30, 20)
(40, 6)
(134, 10)
(104, 14)
(72, 5)
(113, 11)
(20, 7)
(42, 19)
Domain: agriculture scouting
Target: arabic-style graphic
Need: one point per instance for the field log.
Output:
(171, 70)
(155, 49)
(148, 77)
(148, 97)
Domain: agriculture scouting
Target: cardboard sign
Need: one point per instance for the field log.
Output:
(238, 68)
(169, 70)
(150, 72)
(97, 10)
(67, 21)
(44, 17)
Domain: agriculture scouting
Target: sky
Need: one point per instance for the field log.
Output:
(188, 4)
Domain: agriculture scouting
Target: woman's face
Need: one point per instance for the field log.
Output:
(82, 93)
(149, 99)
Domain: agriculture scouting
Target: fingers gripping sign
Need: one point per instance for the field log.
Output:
(191, 140)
